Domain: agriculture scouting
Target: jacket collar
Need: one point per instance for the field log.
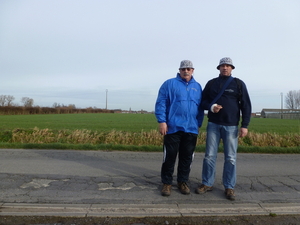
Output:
(183, 80)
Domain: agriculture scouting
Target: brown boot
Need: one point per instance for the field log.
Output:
(203, 189)
(230, 194)
(166, 190)
(183, 188)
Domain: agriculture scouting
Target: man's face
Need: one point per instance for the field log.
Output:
(225, 70)
(186, 73)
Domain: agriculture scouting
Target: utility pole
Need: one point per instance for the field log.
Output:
(106, 99)
(281, 105)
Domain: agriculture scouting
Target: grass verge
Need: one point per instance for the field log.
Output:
(150, 141)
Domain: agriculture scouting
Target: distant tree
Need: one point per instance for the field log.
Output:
(27, 102)
(9, 100)
(71, 106)
(292, 100)
(298, 99)
(2, 100)
(6, 100)
(55, 105)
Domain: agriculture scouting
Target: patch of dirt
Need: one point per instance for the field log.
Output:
(272, 219)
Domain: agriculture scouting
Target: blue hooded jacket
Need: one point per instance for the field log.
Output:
(178, 105)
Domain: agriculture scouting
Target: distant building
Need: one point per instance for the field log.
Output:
(117, 110)
(281, 113)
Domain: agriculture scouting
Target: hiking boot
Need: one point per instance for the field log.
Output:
(203, 189)
(183, 188)
(166, 190)
(230, 194)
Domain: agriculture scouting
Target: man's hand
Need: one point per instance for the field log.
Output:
(243, 132)
(163, 128)
(217, 108)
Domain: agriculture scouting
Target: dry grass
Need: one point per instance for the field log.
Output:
(46, 136)
(271, 139)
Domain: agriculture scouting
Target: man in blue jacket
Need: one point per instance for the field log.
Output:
(180, 116)
(223, 120)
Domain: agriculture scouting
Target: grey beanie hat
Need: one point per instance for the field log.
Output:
(186, 64)
(226, 61)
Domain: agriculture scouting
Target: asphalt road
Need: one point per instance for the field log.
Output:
(113, 183)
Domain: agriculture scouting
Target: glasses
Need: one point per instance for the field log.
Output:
(188, 69)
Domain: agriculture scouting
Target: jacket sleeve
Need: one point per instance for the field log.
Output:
(200, 116)
(161, 105)
(206, 100)
(246, 107)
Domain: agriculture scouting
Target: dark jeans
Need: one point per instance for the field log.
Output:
(184, 144)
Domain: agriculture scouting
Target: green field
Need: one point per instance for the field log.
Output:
(125, 122)
(94, 122)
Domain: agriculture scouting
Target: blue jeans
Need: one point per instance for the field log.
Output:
(229, 135)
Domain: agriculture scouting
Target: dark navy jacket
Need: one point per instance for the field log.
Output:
(235, 101)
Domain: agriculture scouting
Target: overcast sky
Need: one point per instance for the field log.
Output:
(72, 51)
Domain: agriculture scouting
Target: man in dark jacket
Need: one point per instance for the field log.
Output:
(179, 115)
(223, 120)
